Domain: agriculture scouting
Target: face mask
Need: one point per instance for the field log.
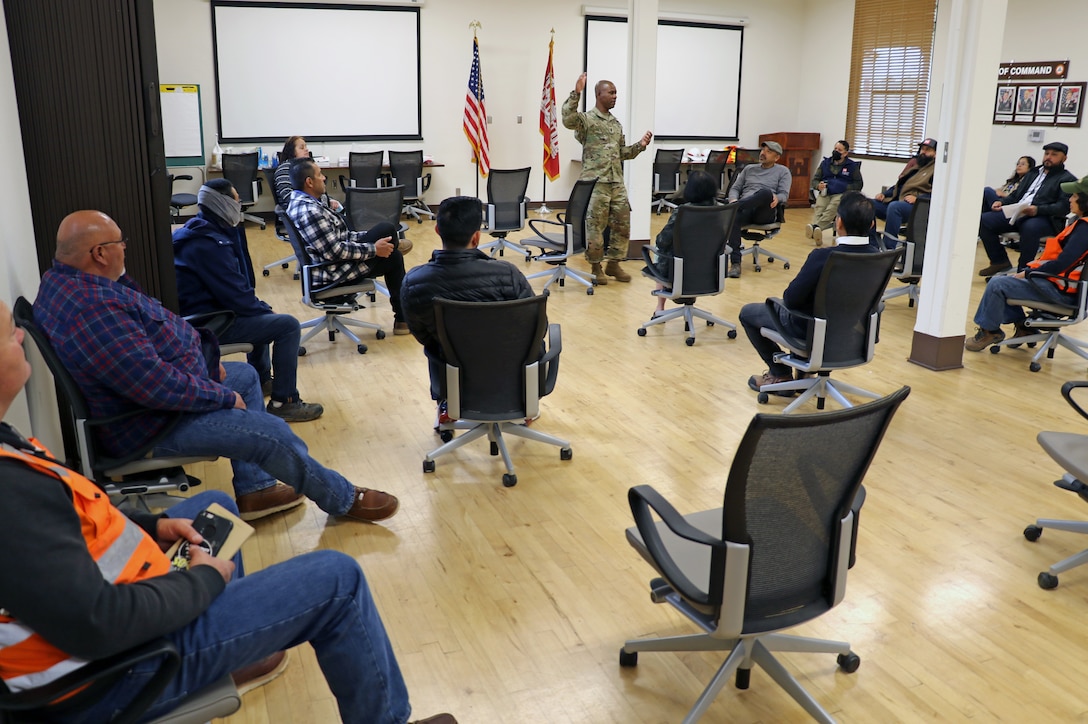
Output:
(835, 155)
(923, 160)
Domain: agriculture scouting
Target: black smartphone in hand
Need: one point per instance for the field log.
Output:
(213, 529)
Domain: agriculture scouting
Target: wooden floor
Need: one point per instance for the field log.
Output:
(510, 605)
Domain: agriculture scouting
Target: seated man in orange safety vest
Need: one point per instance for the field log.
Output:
(80, 581)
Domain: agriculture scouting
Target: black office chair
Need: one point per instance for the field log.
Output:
(364, 170)
(716, 164)
(335, 300)
(497, 369)
(131, 476)
(87, 684)
(557, 248)
(281, 234)
(700, 257)
(1047, 321)
(774, 556)
(913, 244)
(366, 207)
(666, 177)
(506, 208)
(841, 333)
(1070, 451)
(180, 200)
(406, 169)
(241, 170)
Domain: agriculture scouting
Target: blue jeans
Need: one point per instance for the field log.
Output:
(897, 213)
(261, 447)
(283, 332)
(320, 597)
(993, 310)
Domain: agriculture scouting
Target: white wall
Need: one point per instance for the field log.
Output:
(19, 271)
(514, 51)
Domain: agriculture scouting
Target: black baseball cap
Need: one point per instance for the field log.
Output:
(932, 143)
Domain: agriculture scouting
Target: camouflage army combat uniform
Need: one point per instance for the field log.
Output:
(603, 153)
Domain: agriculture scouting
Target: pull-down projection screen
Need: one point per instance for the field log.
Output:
(329, 72)
(698, 75)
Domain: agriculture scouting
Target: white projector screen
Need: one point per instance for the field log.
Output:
(698, 75)
(328, 72)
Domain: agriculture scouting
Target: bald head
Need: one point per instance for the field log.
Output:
(88, 241)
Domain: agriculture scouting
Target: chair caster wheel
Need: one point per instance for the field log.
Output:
(380, 334)
(770, 260)
(419, 221)
(1031, 345)
(263, 227)
(762, 398)
(1032, 533)
(785, 265)
(1035, 366)
(295, 276)
(361, 349)
(759, 268)
(849, 662)
(627, 660)
(264, 273)
(710, 324)
(509, 480)
(445, 435)
(589, 291)
(494, 448)
(995, 349)
(690, 341)
(744, 679)
(301, 351)
(1047, 581)
(332, 336)
(428, 466)
(731, 334)
(372, 297)
(565, 453)
(641, 331)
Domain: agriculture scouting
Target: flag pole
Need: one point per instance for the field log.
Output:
(543, 209)
(474, 26)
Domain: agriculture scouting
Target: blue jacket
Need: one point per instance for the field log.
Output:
(846, 178)
(214, 270)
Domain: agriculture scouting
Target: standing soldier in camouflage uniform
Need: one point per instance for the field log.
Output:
(603, 153)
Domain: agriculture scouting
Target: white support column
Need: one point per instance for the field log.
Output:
(969, 50)
(641, 104)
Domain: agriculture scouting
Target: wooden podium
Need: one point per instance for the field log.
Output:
(798, 151)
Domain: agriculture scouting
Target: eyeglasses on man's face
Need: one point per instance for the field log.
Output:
(122, 241)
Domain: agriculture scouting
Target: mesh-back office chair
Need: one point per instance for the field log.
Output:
(364, 170)
(715, 165)
(366, 207)
(700, 239)
(281, 233)
(131, 475)
(91, 681)
(913, 244)
(666, 177)
(774, 556)
(179, 201)
(335, 300)
(842, 331)
(241, 170)
(497, 369)
(1046, 321)
(557, 248)
(1070, 450)
(406, 168)
(506, 208)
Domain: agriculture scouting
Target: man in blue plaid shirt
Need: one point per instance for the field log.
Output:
(127, 352)
(356, 254)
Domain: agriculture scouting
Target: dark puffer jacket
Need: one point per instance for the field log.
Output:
(464, 275)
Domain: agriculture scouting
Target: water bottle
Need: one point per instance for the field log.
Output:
(217, 152)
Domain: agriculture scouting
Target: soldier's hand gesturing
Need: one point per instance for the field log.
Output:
(580, 85)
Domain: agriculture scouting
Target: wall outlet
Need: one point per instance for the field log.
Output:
(457, 191)
(489, 120)
(519, 119)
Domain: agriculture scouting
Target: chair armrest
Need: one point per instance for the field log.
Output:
(426, 181)
(533, 223)
(550, 360)
(855, 508)
(643, 499)
(96, 677)
(776, 306)
(218, 322)
(182, 177)
(1067, 393)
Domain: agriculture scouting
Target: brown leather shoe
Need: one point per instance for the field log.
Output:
(983, 338)
(259, 673)
(252, 506)
(757, 381)
(989, 271)
(404, 246)
(598, 274)
(372, 505)
(614, 270)
(436, 719)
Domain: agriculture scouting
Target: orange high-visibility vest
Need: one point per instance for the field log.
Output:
(124, 552)
(1052, 249)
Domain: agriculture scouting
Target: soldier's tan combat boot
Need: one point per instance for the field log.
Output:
(615, 271)
(598, 273)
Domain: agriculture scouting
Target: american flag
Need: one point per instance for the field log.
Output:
(475, 114)
(549, 124)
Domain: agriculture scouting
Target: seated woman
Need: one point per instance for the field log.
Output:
(1060, 258)
(294, 147)
(700, 190)
(990, 195)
